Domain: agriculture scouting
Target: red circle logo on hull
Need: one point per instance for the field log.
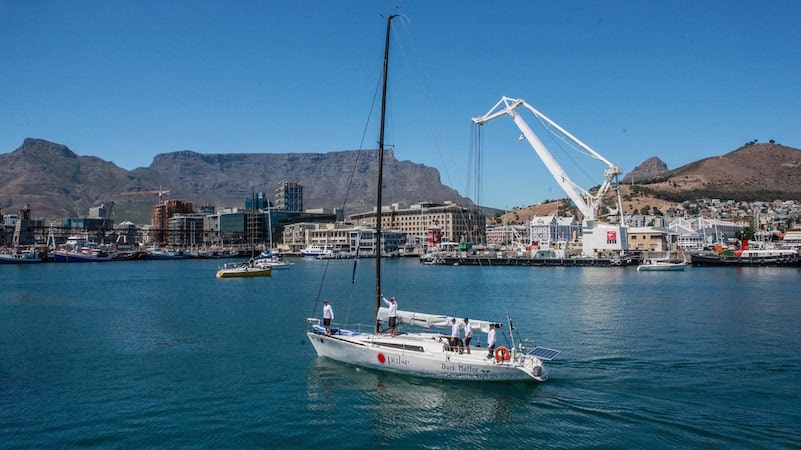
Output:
(381, 358)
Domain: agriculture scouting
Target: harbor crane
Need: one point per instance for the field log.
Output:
(596, 237)
(158, 192)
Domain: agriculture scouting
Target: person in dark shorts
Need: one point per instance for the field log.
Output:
(328, 315)
(393, 313)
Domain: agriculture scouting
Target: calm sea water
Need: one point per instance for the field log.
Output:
(163, 354)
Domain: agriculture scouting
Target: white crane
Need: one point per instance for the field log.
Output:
(595, 237)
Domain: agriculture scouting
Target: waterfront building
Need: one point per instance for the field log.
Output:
(544, 230)
(257, 201)
(499, 236)
(455, 223)
(163, 212)
(18, 229)
(289, 196)
(185, 230)
(340, 236)
(701, 233)
(651, 239)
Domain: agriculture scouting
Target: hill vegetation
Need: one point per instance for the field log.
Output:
(753, 172)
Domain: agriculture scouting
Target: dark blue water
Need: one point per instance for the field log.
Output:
(163, 354)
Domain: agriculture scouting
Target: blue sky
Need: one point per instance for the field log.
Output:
(681, 80)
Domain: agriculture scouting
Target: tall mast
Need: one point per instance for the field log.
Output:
(381, 178)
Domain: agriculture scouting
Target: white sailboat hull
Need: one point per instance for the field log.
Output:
(425, 355)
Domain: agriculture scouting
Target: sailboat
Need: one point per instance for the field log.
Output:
(428, 354)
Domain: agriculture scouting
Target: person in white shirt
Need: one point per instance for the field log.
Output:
(328, 315)
(468, 334)
(393, 312)
(491, 340)
(454, 335)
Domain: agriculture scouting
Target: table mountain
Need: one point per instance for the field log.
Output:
(58, 183)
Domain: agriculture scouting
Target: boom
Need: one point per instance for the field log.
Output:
(585, 201)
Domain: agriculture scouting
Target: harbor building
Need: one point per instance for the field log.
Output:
(500, 236)
(455, 223)
(289, 196)
(340, 237)
(702, 233)
(551, 229)
(185, 230)
(651, 239)
(163, 212)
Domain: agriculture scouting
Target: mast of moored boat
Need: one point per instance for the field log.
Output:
(381, 179)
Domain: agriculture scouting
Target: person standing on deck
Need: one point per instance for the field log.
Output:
(491, 340)
(454, 335)
(328, 316)
(393, 313)
(468, 334)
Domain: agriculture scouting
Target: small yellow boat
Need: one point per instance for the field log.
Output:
(243, 270)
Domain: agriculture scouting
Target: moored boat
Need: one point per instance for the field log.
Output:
(80, 249)
(161, 253)
(31, 256)
(243, 270)
(746, 256)
(661, 266)
(318, 251)
(273, 263)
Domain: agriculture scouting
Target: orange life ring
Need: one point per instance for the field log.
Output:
(502, 354)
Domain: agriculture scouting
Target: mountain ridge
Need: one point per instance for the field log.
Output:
(59, 183)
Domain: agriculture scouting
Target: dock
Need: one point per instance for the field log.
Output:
(478, 260)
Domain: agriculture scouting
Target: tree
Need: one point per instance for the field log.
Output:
(746, 233)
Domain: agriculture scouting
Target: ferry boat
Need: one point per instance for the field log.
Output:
(318, 251)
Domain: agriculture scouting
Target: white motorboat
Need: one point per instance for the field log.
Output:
(318, 251)
(273, 263)
(656, 265)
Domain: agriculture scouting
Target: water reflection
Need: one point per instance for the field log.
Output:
(407, 408)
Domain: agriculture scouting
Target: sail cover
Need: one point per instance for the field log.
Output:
(431, 320)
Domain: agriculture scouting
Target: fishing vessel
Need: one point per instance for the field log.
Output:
(79, 248)
(426, 354)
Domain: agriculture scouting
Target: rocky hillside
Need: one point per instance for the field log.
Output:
(58, 183)
(650, 168)
(750, 173)
(753, 172)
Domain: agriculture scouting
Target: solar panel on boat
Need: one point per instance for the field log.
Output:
(546, 354)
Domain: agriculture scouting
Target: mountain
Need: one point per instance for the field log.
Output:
(753, 172)
(57, 183)
(650, 168)
(763, 172)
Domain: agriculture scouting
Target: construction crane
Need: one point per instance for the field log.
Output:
(159, 192)
(596, 237)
